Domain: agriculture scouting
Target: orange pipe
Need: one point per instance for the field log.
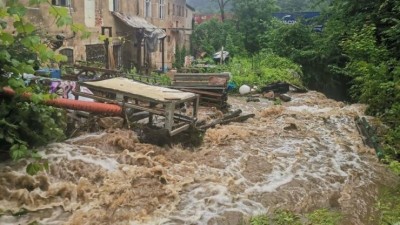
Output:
(95, 107)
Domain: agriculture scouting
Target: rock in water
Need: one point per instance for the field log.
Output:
(285, 97)
(111, 122)
(269, 95)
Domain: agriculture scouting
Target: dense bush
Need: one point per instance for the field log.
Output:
(27, 125)
(262, 69)
(357, 52)
(212, 35)
(376, 82)
(25, 122)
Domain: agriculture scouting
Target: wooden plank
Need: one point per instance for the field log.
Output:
(203, 74)
(195, 84)
(198, 77)
(180, 129)
(169, 116)
(215, 94)
(203, 99)
(214, 88)
(135, 89)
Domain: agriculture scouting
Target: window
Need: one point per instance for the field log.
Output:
(173, 9)
(169, 11)
(147, 8)
(61, 2)
(69, 53)
(161, 10)
(115, 5)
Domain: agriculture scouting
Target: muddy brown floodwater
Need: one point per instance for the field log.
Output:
(301, 156)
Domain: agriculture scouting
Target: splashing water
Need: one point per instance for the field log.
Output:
(301, 156)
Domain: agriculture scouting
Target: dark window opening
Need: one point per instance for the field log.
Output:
(69, 53)
(96, 54)
(115, 5)
(60, 2)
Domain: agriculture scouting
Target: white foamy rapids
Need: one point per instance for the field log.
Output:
(305, 155)
(309, 109)
(324, 152)
(61, 151)
(210, 200)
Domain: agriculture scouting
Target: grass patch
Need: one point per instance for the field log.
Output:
(389, 206)
(260, 220)
(324, 217)
(283, 217)
(395, 167)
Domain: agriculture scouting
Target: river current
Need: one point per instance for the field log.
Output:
(301, 156)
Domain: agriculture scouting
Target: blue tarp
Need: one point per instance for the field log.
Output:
(54, 73)
(296, 15)
(292, 18)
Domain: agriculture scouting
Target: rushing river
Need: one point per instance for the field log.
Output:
(304, 155)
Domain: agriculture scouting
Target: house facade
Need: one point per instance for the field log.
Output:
(141, 34)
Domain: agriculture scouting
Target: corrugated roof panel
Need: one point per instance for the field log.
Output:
(134, 21)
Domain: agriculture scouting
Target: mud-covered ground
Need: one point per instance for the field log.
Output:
(304, 155)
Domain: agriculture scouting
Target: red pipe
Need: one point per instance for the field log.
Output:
(95, 107)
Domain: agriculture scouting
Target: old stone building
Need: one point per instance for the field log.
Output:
(139, 33)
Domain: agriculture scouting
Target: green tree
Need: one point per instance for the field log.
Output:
(253, 17)
(293, 5)
(365, 36)
(300, 43)
(27, 124)
(359, 46)
(210, 36)
(222, 5)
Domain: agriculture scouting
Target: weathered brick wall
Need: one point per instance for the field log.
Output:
(95, 14)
